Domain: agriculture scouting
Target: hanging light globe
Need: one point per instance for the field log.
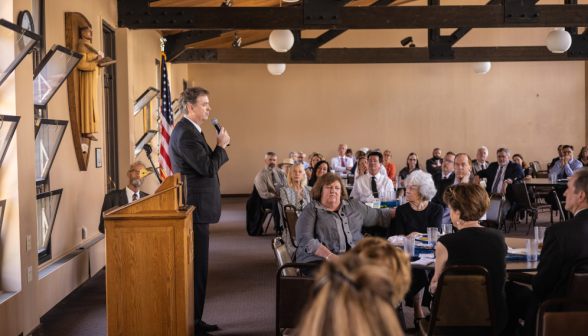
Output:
(481, 67)
(558, 41)
(276, 69)
(281, 40)
(290, 0)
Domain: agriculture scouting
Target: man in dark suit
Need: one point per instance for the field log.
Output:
(500, 175)
(446, 168)
(192, 157)
(124, 196)
(560, 156)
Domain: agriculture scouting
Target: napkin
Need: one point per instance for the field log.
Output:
(396, 240)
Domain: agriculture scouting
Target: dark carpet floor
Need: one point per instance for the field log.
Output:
(241, 285)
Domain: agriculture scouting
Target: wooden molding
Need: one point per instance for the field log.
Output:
(72, 22)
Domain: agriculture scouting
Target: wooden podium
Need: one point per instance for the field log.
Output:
(149, 256)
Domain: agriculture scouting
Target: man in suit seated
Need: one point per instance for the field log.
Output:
(434, 163)
(462, 165)
(127, 195)
(446, 168)
(559, 157)
(500, 175)
(374, 182)
(564, 168)
(268, 183)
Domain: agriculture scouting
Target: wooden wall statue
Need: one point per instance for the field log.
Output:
(73, 21)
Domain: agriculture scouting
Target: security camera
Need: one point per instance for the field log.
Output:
(406, 41)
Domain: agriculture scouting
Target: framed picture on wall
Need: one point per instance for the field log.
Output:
(98, 157)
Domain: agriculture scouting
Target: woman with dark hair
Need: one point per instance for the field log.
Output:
(583, 157)
(412, 164)
(320, 169)
(518, 159)
(313, 160)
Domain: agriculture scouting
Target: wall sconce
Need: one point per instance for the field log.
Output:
(145, 139)
(144, 99)
(24, 41)
(47, 206)
(47, 140)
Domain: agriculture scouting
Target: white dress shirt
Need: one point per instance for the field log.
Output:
(130, 194)
(362, 188)
(336, 164)
(444, 177)
(195, 124)
(382, 171)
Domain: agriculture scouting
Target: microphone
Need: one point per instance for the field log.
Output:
(217, 126)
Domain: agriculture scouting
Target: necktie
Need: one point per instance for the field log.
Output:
(273, 179)
(135, 197)
(342, 162)
(445, 177)
(374, 187)
(495, 186)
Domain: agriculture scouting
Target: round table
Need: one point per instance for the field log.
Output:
(544, 182)
(511, 266)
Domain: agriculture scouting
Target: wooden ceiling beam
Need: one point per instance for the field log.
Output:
(133, 15)
(374, 55)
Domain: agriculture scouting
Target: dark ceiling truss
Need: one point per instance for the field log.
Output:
(136, 14)
(208, 22)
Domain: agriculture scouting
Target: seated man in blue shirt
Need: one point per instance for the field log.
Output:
(564, 169)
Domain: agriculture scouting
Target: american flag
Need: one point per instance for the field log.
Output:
(167, 120)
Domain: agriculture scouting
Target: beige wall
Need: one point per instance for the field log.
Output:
(402, 107)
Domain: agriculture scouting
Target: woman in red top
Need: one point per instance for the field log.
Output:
(390, 167)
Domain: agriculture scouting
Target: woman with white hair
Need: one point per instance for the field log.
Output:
(412, 219)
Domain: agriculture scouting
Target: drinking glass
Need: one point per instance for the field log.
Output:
(376, 203)
(540, 234)
(447, 228)
(402, 199)
(532, 249)
(432, 236)
(409, 246)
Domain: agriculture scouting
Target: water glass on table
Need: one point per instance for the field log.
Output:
(409, 246)
(447, 228)
(532, 249)
(432, 236)
(401, 199)
(540, 234)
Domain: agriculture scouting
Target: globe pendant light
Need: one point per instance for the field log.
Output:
(281, 40)
(558, 41)
(481, 67)
(276, 69)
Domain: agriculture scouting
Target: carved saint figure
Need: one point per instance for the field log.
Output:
(89, 69)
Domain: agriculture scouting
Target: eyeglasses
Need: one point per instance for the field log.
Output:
(567, 152)
(412, 159)
(135, 171)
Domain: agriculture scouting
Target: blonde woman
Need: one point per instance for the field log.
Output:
(297, 194)
(358, 294)
(313, 160)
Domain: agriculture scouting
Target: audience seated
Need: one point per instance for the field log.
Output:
(286, 165)
(473, 245)
(268, 183)
(364, 171)
(412, 164)
(564, 245)
(349, 154)
(321, 168)
(446, 168)
(564, 168)
(528, 172)
(434, 163)
(412, 219)
(341, 164)
(297, 194)
(501, 175)
(362, 167)
(302, 159)
(373, 183)
(294, 156)
(560, 156)
(390, 167)
(331, 223)
(583, 157)
(480, 162)
(314, 159)
(358, 295)
(358, 154)
(463, 174)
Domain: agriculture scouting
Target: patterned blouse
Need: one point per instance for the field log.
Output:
(290, 196)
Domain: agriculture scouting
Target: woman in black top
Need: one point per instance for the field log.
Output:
(412, 164)
(413, 219)
(583, 157)
(320, 169)
(473, 245)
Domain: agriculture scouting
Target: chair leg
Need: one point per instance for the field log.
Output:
(400, 313)
(268, 223)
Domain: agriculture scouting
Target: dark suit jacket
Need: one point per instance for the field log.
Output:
(563, 246)
(434, 170)
(115, 199)
(439, 177)
(441, 185)
(254, 215)
(192, 157)
(513, 172)
(553, 162)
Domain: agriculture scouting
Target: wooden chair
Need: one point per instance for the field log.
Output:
(521, 196)
(494, 218)
(578, 281)
(290, 218)
(464, 298)
(562, 317)
(282, 256)
(266, 212)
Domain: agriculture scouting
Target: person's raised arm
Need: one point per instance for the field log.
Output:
(194, 153)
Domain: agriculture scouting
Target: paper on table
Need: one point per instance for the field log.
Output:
(427, 255)
(399, 241)
(521, 251)
(424, 262)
